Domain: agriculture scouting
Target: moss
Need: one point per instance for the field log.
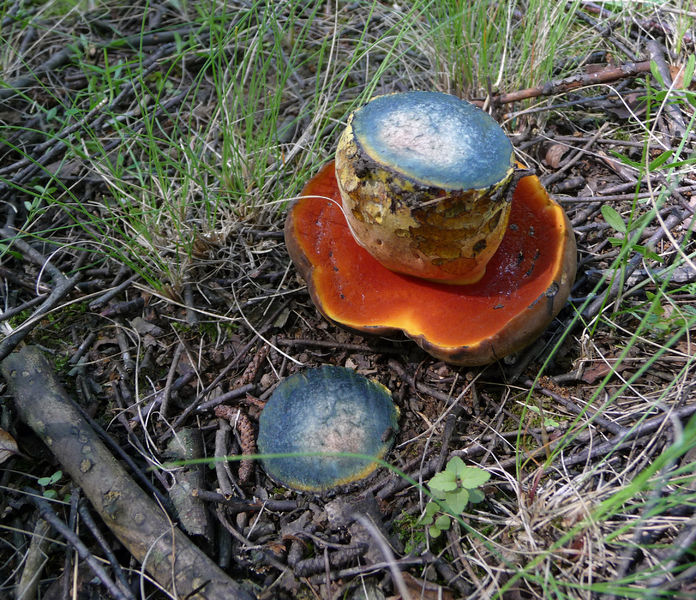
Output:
(409, 532)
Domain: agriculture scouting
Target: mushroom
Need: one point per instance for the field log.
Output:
(319, 413)
(521, 288)
(423, 178)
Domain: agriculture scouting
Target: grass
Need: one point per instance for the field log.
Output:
(171, 164)
(631, 501)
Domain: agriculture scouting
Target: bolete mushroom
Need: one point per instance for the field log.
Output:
(319, 413)
(423, 179)
(524, 285)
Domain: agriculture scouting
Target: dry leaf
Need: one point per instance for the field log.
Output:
(8, 446)
(555, 154)
(420, 588)
(602, 369)
(677, 75)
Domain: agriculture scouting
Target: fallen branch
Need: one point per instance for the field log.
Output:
(180, 567)
(50, 517)
(559, 86)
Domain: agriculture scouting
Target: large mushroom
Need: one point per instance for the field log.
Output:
(521, 288)
(406, 197)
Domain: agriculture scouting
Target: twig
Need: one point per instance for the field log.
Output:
(419, 386)
(683, 544)
(12, 238)
(384, 548)
(125, 348)
(648, 427)
(447, 432)
(630, 69)
(124, 308)
(547, 180)
(618, 197)
(60, 146)
(34, 561)
(659, 25)
(52, 148)
(606, 32)
(166, 394)
(225, 478)
(33, 286)
(657, 54)
(84, 346)
(407, 561)
(394, 485)
(136, 41)
(191, 314)
(242, 353)
(11, 312)
(187, 445)
(88, 520)
(598, 303)
(50, 517)
(654, 498)
(102, 300)
(237, 505)
(62, 287)
(56, 61)
(331, 345)
(337, 559)
(144, 480)
(131, 514)
(212, 403)
(572, 139)
(595, 417)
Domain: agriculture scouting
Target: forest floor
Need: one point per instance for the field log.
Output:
(149, 154)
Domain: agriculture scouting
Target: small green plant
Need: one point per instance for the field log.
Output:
(548, 421)
(616, 222)
(662, 318)
(46, 482)
(452, 490)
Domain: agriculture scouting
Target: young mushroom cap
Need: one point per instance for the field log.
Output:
(424, 180)
(323, 412)
(526, 283)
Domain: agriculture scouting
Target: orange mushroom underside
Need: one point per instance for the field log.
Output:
(525, 285)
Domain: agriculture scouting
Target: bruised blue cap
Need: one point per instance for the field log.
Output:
(322, 412)
(435, 139)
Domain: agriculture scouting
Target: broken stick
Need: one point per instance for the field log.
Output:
(179, 566)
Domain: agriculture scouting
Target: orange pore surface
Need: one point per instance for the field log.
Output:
(357, 291)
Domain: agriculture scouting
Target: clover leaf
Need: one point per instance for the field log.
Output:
(455, 487)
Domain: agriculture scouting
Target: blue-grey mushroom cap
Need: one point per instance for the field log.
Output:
(435, 139)
(326, 410)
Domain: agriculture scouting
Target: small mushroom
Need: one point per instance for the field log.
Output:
(424, 180)
(322, 412)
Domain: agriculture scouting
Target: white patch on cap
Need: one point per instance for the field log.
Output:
(427, 137)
